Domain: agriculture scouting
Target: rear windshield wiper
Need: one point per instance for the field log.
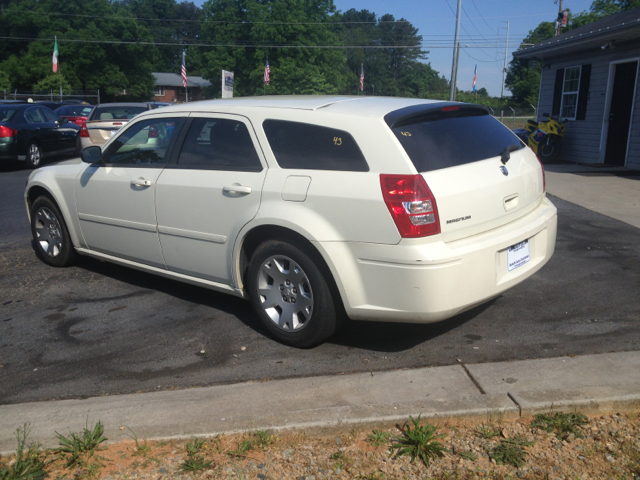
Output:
(506, 153)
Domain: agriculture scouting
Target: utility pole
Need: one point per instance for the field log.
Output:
(456, 50)
(506, 52)
(558, 27)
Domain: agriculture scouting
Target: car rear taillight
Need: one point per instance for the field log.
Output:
(84, 131)
(544, 179)
(7, 132)
(411, 204)
(153, 131)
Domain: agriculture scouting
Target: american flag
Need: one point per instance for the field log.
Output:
(361, 77)
(475, 77)
(267, 71)
(184, 72)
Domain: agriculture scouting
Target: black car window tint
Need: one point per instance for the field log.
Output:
(49, 115)
(312, 147)
(33, 115)
(144, 143)
(219, 144)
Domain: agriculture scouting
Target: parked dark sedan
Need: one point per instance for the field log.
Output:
(30, 132)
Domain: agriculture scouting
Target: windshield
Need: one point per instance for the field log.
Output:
(448, 139)
(116, 112)
(75, 110)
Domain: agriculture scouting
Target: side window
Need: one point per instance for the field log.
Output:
(49, 115)
(306, 146)
(219, 144)
(33, 115)
(143, 143)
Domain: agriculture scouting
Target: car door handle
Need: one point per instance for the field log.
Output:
(236, 189)
(141, 182)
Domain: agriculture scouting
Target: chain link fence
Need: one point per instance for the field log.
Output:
(515, 118)
(89, 96)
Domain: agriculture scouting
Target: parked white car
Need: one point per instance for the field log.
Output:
(386, 209)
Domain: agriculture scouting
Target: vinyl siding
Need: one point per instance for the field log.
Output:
(583, 138)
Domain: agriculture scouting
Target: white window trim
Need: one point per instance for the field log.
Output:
(577, 92)
(159, 91)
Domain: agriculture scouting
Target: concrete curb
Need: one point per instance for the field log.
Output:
(591, 384)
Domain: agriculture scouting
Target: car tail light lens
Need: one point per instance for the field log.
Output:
(84, 131)
(153, 131)
(544, 178)
(7, 132)
(411, 204)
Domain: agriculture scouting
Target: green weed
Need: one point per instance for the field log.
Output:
(371, 476)
(417, 441)
(377, 438)
(194, 462)
(29, 464)
(263, 439)
(79, 450)
(487, 432)
(511, 451)
(141, 449)
(243, 447)
(560, 423)
(469, 456)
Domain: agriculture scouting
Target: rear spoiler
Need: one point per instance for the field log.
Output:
(416, 113)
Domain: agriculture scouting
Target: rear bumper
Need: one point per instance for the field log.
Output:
(421, 281)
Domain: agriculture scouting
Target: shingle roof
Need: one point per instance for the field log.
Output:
(623, 26)
(175, 80)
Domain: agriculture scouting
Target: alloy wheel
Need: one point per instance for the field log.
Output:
(34, 154)
(48, 232)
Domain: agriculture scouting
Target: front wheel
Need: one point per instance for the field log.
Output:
(290, 295)
(549, 149)
(34, 155)
(50, 234)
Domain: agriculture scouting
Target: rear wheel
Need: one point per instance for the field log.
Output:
(34, 155)
(290, 295)
(549, 149)
(50, 234)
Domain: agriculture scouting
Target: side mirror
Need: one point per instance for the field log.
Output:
(91, 155)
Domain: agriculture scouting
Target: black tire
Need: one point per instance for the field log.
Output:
(549, 149)
(298, 309)
(34, 155)
(50, 235)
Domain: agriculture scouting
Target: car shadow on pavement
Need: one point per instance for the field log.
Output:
(396, 337)
(374, 336)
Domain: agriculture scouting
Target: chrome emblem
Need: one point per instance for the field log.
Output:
(504, 170)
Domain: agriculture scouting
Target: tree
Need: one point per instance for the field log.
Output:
(54, 82)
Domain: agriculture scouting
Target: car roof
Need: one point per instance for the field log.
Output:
(347, 105)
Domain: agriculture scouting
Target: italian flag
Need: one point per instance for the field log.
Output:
(55, 56)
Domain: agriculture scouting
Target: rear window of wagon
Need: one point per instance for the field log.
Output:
(443, 139)
(116, 113)
(312, 147)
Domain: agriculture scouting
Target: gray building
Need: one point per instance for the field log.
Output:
(590, 78)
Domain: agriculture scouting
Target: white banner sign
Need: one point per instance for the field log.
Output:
(227, 84)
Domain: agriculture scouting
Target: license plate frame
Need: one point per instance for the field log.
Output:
(518, 255)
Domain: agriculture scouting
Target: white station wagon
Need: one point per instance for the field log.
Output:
(311, 207)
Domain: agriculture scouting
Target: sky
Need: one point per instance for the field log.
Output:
(480, 22)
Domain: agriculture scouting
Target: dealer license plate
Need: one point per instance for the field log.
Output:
(518, 255)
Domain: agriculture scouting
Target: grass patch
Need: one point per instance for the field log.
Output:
(487, 432)
(195, 461)
(141, 449)
(418, 442)
(377, 438)
(79, 450)
(511, 451)
(29, 464)
(263, 439)
(560, 423)
(243, 447)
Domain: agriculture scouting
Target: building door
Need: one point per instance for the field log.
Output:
(620, 113)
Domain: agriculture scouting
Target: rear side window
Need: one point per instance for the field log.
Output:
(6, 114)
(33, 115)
(445, 140)
(220, 144)
(311, 147)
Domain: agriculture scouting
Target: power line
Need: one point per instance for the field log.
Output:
(478, 10)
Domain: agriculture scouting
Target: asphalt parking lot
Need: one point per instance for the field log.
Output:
(101, 329)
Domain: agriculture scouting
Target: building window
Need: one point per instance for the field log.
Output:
(182, 90)
(570, 88)
(159, 91)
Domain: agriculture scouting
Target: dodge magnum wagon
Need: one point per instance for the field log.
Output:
(313, 208)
